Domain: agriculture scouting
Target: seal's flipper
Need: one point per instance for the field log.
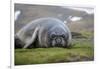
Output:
(32, 39)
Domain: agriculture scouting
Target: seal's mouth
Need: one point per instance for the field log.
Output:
(58, 42)
(58, 45)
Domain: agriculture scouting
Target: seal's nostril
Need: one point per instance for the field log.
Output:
(58, 41)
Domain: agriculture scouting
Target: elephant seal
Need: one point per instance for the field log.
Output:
(44, 32)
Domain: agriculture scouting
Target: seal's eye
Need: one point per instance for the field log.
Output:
(63, 35)
(53, 35)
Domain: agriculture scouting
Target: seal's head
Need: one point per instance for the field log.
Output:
(57, 37)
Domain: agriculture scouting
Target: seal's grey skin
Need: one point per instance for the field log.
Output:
(47, 32)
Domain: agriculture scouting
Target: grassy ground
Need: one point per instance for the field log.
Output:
(82, 50)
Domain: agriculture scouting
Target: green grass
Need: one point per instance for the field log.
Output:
(87, 34)
(81, 51)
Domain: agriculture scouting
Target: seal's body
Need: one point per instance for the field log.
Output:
(46, 32)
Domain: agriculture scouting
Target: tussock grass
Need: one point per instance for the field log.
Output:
(81, 51)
